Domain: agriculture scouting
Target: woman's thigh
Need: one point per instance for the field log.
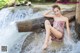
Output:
(55, 32)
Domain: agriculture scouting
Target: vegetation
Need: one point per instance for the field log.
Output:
(5, 3)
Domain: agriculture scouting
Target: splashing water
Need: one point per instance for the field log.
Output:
(28, 42)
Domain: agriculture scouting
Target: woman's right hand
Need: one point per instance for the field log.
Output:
(48, 15)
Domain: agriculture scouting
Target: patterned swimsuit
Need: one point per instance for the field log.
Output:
(59, 25)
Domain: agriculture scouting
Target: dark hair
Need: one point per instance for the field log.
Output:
(56, 6)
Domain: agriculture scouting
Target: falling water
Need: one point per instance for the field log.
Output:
(30, 42)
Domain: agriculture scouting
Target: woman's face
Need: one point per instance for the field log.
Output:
(56, 11)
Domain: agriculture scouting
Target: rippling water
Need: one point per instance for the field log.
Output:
(29, 42)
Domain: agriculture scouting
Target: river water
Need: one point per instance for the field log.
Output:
(30, 42)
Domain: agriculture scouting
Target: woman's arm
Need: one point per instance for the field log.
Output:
(67, 26)
(47, 14)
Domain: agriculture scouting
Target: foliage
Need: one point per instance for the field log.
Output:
(4, 3)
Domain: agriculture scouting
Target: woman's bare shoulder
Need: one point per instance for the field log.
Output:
(66, 18)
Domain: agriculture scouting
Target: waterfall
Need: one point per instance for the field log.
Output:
(30, 42)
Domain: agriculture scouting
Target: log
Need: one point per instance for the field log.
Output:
(31, 25)
(35, 24)
(70, 16)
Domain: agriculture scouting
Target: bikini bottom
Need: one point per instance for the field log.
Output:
(53, 38)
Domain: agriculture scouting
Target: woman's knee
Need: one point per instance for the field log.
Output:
(47, 22)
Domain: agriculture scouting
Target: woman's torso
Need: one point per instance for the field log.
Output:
(59, 24)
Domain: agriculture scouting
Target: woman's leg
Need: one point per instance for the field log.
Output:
(47, 27)
(55, 32)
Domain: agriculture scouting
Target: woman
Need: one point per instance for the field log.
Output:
(55, 32)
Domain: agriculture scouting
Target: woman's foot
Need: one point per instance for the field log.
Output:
(44, 47)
